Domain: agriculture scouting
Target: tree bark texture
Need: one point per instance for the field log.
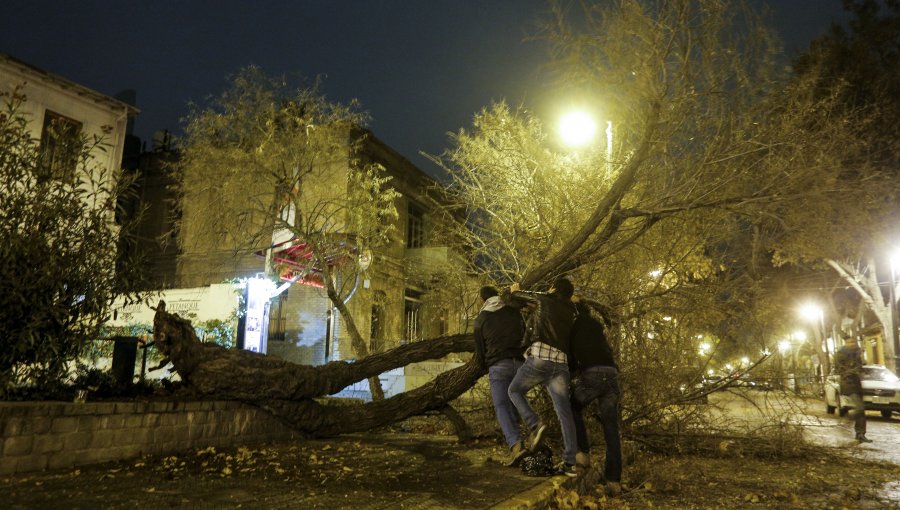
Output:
(293, 392)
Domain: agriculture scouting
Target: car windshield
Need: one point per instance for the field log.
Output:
(879, 374)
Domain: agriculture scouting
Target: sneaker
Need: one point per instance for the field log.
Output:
(516, 453)
(536, 437)
(862, 438)
(566, 469)
(613, 488)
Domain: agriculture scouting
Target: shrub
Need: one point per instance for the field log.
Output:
(58, 266)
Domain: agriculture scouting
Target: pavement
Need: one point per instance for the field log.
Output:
(371, 471)
(391, 470)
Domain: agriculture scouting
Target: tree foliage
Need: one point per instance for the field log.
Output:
(858, 66)
(714, 147)
(58, 255)
(265, 164)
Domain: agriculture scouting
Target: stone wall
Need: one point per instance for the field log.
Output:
(54, 435)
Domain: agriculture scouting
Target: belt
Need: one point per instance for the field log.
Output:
(600, 368)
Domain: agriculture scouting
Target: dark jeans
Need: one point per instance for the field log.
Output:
(601, 384)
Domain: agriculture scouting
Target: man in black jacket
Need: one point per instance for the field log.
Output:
(546, 362)
(498, 348)
(598, 379)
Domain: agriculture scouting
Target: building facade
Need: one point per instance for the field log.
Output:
(412, 288)
(53, 101)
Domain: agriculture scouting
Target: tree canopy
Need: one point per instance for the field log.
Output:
(722, 164)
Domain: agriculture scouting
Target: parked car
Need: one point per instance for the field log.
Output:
(881, 392)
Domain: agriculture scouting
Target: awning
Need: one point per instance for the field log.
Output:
(292, 261)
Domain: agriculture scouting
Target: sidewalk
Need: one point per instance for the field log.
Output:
(385, 471)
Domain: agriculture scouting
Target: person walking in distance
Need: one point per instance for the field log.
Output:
(596, 374)
(546, 362)
(848, 364)
(499, 330)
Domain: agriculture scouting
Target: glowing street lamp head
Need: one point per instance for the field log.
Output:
(811, 312)
(577, 128)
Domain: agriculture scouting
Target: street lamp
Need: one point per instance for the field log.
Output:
(893, 304)
(577, 128)
(783, 347)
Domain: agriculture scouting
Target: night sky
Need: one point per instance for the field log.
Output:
(421, 68)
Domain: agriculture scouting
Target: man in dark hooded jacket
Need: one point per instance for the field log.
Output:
(592, 361)
(498, 348)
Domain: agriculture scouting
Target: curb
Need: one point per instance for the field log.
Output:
(540, 496)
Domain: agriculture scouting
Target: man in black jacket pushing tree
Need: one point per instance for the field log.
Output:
(592, 360)
(547, 340)
(499, 329)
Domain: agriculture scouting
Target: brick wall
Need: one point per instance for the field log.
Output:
(39, 435)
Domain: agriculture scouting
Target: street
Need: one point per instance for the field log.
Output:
(831, 431)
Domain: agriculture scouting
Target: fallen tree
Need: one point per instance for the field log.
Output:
(293, 392)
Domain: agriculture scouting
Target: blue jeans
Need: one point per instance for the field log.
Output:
(554, 377)
(500, 374)
(602, 384)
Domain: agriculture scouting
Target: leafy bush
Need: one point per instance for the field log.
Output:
(58, 266)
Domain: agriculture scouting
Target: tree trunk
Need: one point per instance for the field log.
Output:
(867, 286)
(356, 340)
(290, 391)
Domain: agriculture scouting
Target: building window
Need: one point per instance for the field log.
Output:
(415, 227)
(443, 321)
(60, 147)
(412, 305)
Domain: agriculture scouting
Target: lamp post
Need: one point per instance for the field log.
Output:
(609, 141)
(893, 305)
(784, 348)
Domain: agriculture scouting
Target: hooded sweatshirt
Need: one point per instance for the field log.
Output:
(498, 332)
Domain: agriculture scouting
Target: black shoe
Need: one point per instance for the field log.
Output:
(566, 469)
(862, 438)
(535, 440)
(516, 454)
